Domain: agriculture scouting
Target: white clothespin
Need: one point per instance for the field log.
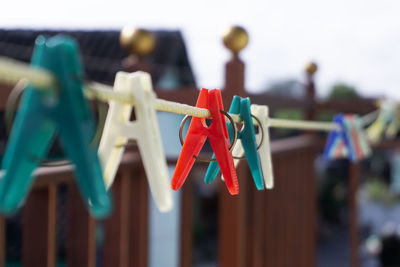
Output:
(386, 124)
(261, 112)
(118, 129)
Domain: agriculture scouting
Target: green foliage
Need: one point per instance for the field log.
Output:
(325, 116)
(287, 87)
(377, 190)
(287, 114)
(343, 91)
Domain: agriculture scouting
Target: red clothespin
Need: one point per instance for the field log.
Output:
(196, 136)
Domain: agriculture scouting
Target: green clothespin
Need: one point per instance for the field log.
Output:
(42, 114)
(247, 136)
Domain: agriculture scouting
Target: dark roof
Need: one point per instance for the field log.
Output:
(102, 53)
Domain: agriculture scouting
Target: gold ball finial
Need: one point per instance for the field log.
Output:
(311, 68)
(137, 41)
(235, 39)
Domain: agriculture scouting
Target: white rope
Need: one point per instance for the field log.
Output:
(106, 93)
(303, 125)
(11, 71)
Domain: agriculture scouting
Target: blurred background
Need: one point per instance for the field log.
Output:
(353, 42)
(305, 60)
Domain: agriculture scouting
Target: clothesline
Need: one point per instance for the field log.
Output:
(12, 71)
(36, 126)
(105, 93)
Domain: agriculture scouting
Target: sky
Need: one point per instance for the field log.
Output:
(352, 41)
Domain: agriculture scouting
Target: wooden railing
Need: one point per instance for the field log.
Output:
(266, 228)
(126, 231)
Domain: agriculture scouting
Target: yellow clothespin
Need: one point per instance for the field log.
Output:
(386, 123)
(119, 129)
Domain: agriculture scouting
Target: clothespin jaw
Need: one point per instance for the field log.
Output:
(241, 106)
(264, 152)
(118, 129)
(355, 138)
(335, 147)
(386, 123)
(41, 114)
(219, 139)
(350, 141)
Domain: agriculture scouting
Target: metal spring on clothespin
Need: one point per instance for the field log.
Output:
(230, 148)
(11, 107)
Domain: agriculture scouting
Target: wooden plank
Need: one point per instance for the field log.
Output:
(354, 180)
(312, 208)
(232, 225)
(272, 215)
(116, 246)
(289, 203)
(280, 209)
(289, 227)
(255, 223)
(186, 233)
(140, 220)
(39, 228)
(81, 231)
(2, 241)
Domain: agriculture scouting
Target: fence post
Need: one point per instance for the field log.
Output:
(235, 39)
(231, 214)
(2, 241)
(310, 93)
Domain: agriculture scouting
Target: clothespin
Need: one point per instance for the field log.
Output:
(196, 136)
(247, 138)
(264, 152)
(350, 141)
(42, 114)
(118, 129)
(385, 123)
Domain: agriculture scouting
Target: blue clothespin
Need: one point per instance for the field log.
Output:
(247, 135)
(349, 141)
(42, 114)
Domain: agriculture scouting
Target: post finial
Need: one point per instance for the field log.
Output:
(311, 68)
(235, 39)
(137, 41)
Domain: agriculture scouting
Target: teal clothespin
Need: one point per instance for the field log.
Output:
(44, 113)
(247, 135)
